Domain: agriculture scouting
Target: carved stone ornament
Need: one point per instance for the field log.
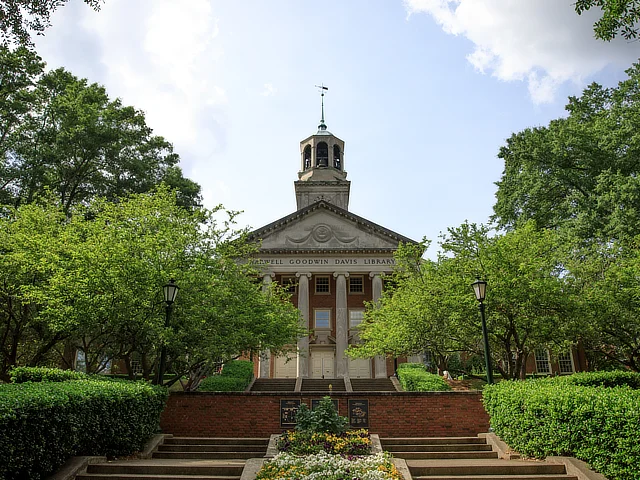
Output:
(322, 233)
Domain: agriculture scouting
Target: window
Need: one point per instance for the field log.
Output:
(322, 320)
(322, 155)
(336, 157)
(322, 284)
(355, 318)
(542, 361)
(307, 157)
(356, 284)
(565, 362)
(289, 284)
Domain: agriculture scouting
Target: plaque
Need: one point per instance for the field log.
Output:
(359, 413)
(316, 401)
(288, 412)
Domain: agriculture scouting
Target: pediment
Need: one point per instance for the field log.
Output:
(325, 227)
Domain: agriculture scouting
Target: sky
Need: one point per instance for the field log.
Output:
(423, 92)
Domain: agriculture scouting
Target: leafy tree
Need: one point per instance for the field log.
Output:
(20, 18)
(63, 134)
(579, 173)
(619, 17)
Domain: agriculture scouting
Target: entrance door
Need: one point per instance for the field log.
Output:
(360, 368)
(322, 364)
(286, 367)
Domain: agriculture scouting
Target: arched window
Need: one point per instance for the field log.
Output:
(337, 158)
(307, 157)
(322, 155)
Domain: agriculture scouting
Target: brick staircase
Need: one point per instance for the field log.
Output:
(322, 385)
(372, 385)
(274, 385)
(185, 458)
(466, 458)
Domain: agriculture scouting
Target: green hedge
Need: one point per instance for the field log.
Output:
(617, 378)
(599, 425)
(44, 374)
(414, 378)
(43, 424)
(235, 377)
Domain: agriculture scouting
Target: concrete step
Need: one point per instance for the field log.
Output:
(459, 469)
(496, 477)
(211, 448)
(322, 385)
(443, 455)
(208, 455)
(162, 467)
(107, 476)
(372, 385)
(453, 447)
(216, 441)
(389, 441)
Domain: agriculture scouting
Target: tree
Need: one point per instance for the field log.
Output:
(95, 279)
(618, 17)
(66, 135)
(579, 173)
(20, 18)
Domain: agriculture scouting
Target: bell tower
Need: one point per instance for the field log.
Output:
(322, 175)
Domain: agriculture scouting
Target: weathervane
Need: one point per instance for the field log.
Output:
(322, 89)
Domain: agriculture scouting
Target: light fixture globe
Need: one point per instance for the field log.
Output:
(170, 291)
(480, 289)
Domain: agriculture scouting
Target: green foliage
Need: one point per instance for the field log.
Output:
(44, 374)
(307, 442)
(414, 378)
(617, 378)
(235, 377)
(543, 417)
(323, 419)
(42, 424)
(618, 17)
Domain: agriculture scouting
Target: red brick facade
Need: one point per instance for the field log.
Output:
(257, 414)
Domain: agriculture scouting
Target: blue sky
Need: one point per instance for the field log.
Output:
(423, 92)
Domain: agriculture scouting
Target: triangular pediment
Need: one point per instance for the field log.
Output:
(325, 227)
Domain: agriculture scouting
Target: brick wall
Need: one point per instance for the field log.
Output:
(257, 414)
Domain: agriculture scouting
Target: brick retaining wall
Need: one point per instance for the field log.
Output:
(391, 414)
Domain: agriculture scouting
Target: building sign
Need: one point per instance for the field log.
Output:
(316, 401)
(359, 413)
(288, 412)
(326, 261)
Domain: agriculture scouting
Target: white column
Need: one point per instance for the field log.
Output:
(265, 355)
(303, 306)
(342, 324)
(380, 361)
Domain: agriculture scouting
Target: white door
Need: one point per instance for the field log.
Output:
(360, 368)
(286, 367)
(322, 364)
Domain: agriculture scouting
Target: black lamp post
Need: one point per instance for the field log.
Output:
(480, 289)
(169, 290)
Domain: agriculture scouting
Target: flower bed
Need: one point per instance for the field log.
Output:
(286, 466)
(353, 442)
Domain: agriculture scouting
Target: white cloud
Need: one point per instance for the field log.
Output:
(542, 42)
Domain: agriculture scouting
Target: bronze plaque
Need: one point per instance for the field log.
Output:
(288, 412)
(316, 401)
(359, 413)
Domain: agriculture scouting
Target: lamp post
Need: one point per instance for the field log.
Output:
(169, 290)
(480, 289)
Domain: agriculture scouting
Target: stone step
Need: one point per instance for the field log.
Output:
(178, 469)
(322, 385)
(453, 447)
(216, 441)
(496, 477)
(503, 467)
(208, 455)
(389, 441)
(372, 385)
(443, 455)
(121, 476)
(210, 448)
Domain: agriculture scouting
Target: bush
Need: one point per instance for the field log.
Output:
(619, 378)
(414, 378)
(323, 419)
(553, 417)
(44, 374)
(43, 424)
(235, 377)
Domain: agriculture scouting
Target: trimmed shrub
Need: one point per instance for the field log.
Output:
(616, 378)
(553, 417)
(414, 378)
(235, 377)
(43, 424)
(44, 374)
